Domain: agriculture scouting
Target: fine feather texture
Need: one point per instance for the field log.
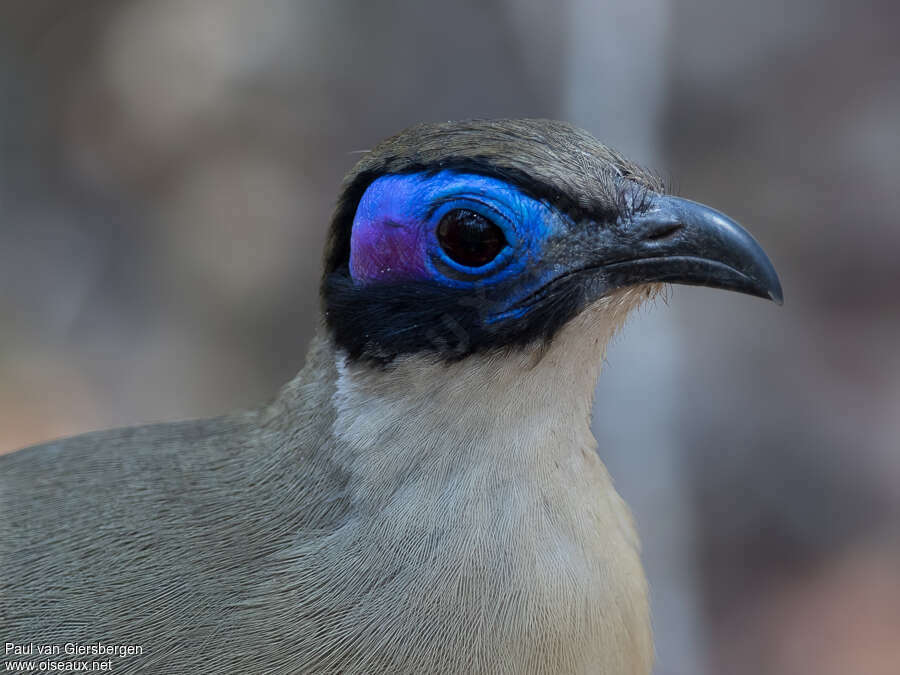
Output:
(451, 518)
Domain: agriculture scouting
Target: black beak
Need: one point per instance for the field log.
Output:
(679, 241)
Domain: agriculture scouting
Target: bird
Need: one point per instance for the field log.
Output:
(426, 495)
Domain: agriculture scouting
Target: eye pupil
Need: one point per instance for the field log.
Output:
(469, 238)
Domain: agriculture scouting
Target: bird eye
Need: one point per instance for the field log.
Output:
(469, 238)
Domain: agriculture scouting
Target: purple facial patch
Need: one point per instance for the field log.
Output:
(388, 242)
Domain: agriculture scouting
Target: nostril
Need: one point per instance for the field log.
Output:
(663, 231)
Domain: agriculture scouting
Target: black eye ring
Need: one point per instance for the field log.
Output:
(469, 238)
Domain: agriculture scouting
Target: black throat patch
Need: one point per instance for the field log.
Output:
(379, 322)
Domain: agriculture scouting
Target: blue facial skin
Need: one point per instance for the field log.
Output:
(394, 235)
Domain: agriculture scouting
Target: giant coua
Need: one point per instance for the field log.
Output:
(426, 495)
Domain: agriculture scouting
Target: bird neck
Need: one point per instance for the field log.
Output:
(476, 481)
(503, 418)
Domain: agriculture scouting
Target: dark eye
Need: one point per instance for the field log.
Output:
(469, 238)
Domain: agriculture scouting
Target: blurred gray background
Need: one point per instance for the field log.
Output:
(167, 170)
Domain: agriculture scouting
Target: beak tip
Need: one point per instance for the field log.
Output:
(776, 296)
(770, 282)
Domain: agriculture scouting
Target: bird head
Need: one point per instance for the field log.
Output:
(459, 238)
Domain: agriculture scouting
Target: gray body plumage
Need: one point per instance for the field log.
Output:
(266, 542)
